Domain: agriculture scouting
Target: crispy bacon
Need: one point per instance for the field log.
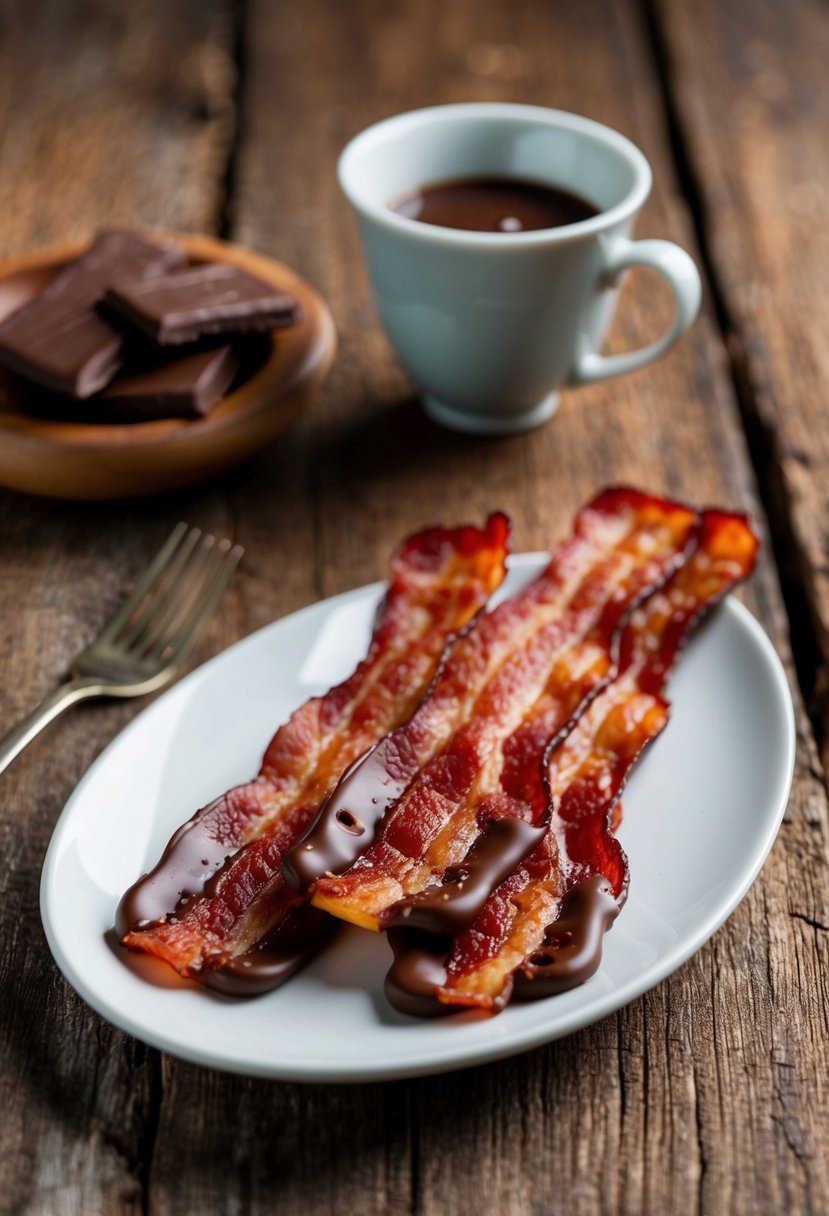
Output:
(452, 787)
(541, 929)
(196, 909)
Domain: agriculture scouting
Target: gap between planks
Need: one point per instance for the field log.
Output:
(236, 105)
(761, 440)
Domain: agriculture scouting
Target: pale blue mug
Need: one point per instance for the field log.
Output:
(491, 325)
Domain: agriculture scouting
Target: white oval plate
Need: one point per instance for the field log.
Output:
(700, 816)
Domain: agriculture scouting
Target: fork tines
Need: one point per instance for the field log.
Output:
(176, 596)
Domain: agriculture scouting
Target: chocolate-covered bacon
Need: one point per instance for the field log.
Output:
(422, 829)
(215, 906)
(541, 931)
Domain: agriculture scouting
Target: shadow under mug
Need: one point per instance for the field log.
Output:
(490, 325)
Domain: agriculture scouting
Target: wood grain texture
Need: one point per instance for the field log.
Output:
(697, 1097)
(111, 113)
(708, 1094)
(108, 113)
(748, 83)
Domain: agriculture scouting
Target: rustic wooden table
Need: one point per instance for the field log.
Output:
(709, 1094)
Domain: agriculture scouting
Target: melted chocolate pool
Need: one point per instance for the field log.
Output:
(494, 204)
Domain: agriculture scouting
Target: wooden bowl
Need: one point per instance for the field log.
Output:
(81, 460)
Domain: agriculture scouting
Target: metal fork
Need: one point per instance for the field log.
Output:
(146, 642)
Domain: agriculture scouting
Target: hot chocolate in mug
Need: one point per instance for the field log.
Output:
(491, 324)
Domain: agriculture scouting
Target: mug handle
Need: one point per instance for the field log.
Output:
(678, 268)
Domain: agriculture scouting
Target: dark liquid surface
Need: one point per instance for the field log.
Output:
(494, 204)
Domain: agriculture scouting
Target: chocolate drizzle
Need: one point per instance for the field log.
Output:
(253, 973)
(450, 908)
(417, 972)
(191, 860)
(346, 822)
(275, 957)
(572, 949)
(571, 954)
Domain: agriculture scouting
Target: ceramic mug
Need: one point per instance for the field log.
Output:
(490, 325)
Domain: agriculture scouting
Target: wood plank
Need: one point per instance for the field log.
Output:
(698, 1096)
(113, 114)
(108, 113)
(748, 83)
(681, 1097)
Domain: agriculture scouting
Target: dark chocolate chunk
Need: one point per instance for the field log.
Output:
(60, 340)
(185, 386)
(215, 298)
(18, 290)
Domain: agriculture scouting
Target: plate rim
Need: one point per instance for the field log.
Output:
(433, 1061)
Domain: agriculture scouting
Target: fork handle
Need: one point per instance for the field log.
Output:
(57, 701)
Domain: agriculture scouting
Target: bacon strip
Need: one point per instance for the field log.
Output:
(451, 786)
(192, 910)
(541, 930)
